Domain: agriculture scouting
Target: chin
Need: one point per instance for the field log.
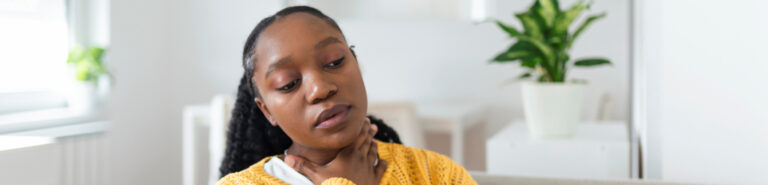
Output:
(346, 136)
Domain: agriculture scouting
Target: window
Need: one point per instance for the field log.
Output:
(34, 42)
(35, 46)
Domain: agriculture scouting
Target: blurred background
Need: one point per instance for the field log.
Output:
(138, 92)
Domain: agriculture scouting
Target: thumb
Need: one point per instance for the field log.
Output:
(300, 164)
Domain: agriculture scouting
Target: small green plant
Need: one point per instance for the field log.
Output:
(87, 62)
(542, 47)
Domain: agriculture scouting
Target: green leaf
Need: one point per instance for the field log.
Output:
(545, 37)
(76, 54)
(519, 50)
(524, 76)
(555, 40)
(87, 62)
(508, 56)
(591, 62)
(584, 26)
(548, 10)
(530, 62)
(545, 50)
(81, 72)
(547, 60)
(510, 30)
(96, 53)
(531, 26)
(565, 19)
(533, 59)
(523, 45)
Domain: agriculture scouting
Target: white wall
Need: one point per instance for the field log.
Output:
(707, 98)
(167, 54)
(395, 9)
(45, 161)
(439, 60)
(164, 55)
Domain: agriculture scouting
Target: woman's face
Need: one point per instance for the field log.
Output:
(309, 81)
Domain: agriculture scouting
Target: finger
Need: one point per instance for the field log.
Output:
(366, 147)
(301, 165)
(374, 148)
(374, 129)
(358, 142)
(381, 168)
(373, 153)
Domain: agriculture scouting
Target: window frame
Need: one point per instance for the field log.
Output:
(30, 110)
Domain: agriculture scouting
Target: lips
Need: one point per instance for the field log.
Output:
(332, 116)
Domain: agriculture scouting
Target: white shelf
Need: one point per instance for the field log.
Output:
(598, 150)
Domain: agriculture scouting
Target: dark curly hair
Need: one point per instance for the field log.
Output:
(250, 136)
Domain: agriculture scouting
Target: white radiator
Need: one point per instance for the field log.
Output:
(84, 160)
(77, 156)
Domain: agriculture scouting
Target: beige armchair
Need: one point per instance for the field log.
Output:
(402, 117)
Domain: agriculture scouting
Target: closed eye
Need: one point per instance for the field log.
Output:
(289, 86)
(335, 64)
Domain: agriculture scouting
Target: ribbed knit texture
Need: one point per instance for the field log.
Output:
(406, 165)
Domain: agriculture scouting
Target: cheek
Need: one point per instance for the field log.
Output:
(288, 113)
(358, 87)
(295, 127)
(355, 91)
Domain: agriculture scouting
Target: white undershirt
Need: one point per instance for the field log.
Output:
(277, 168)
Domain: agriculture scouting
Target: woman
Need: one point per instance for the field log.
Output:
(300, 114)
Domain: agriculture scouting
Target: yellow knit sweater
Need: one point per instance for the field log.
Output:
(405, 165)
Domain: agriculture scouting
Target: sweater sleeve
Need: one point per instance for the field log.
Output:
(448, 172)
(230, 180)
(337, 181)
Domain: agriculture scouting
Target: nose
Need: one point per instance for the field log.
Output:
(321, 88)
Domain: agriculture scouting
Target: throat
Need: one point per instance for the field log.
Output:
(314, 155)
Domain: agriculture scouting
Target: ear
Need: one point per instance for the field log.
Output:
(265, 110)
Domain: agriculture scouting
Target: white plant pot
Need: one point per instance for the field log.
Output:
(82, 97)
(552, 110)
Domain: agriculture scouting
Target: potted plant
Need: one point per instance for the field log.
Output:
(90, 73)
(552, 105)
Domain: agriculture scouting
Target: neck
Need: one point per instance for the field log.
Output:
(314, 155)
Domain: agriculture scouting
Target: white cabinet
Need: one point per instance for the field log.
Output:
(598, 150)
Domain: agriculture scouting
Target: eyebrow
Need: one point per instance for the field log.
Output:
(280, 62)
(325, 42)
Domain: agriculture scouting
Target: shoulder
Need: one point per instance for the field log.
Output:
(419, 165)
(398, 151)
(231, 179)
(254, 174)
